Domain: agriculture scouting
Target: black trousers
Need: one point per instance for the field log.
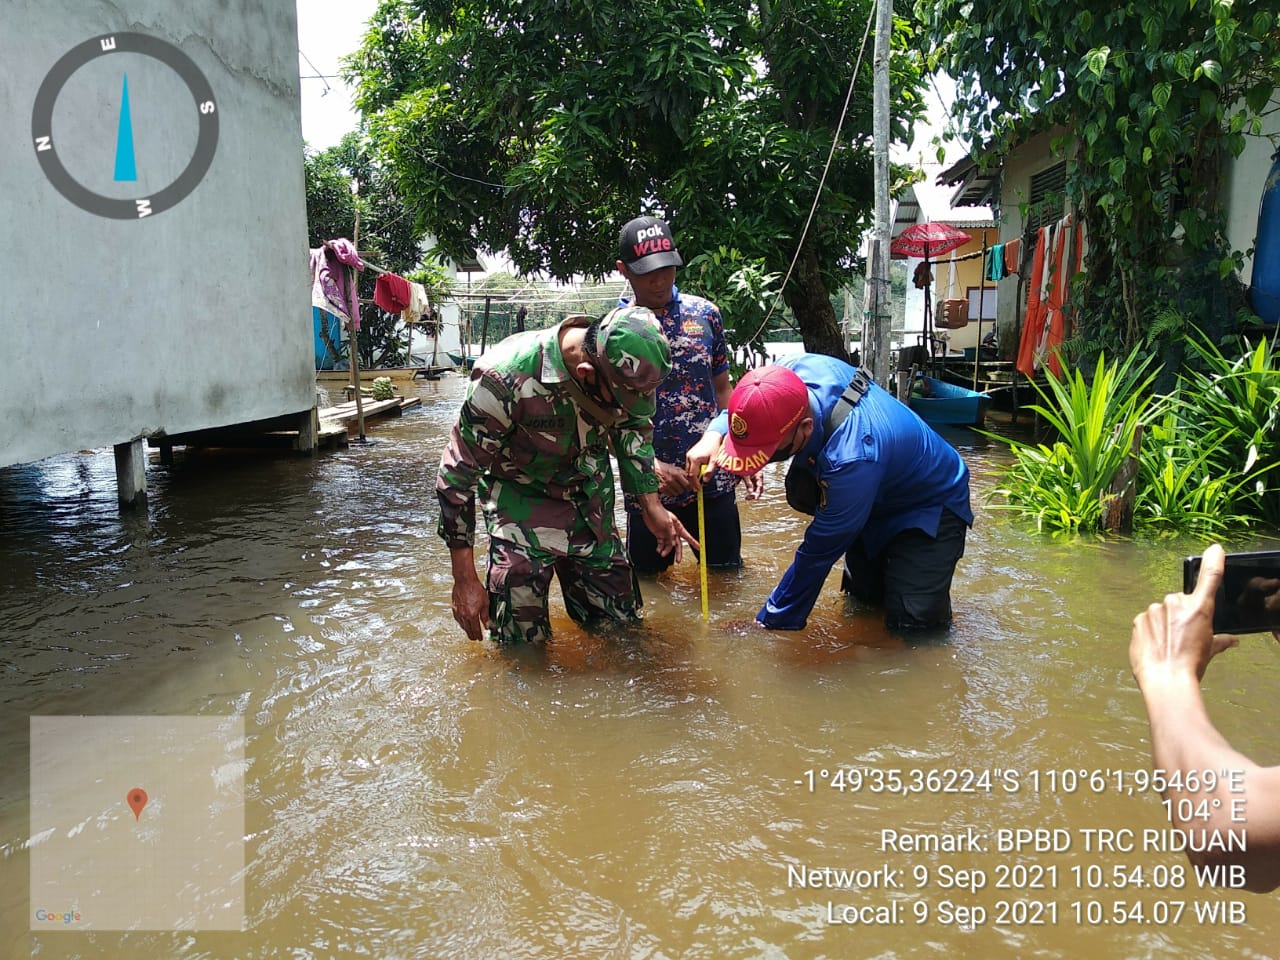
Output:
(724, 536)
(911, 577)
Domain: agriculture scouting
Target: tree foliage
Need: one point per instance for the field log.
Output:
(387, 235)
(540, 126)
(1154, 95)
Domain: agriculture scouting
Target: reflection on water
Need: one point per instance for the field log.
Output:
(641, 794)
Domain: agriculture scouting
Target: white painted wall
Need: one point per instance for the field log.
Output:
(1244, 180)
(194, 317)
(1242, 190)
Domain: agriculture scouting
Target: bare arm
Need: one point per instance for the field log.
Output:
(1170, 647)
(723, 388)
(666, 529)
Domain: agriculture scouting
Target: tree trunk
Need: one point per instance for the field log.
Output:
(1117, 502)
(809, 300)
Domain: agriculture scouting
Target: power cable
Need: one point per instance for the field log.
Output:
(319, 76)
(835, 140)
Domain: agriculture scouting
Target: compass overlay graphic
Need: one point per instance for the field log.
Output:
(203, 104)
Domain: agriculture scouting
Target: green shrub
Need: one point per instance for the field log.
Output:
(1206, 456)
(1065, 487)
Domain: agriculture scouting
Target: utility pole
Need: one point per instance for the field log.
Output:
(875, 339)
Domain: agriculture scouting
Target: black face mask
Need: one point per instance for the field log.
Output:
(596, 393)
(783, 453)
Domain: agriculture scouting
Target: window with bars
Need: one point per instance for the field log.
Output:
(1045, 203)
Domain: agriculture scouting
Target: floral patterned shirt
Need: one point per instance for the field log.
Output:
(687, 397)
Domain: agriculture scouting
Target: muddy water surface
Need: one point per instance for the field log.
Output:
(410, 794)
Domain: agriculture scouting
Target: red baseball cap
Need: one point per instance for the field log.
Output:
(765, 406)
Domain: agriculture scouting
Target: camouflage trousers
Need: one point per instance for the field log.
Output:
(597, 585)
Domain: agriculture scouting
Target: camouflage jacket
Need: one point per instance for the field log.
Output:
(539, 464)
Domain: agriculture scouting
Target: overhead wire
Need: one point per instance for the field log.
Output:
(835, 140)
(318, 75)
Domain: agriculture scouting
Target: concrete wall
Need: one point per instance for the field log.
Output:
(193, 317)
(968, 278)
(1245, 180)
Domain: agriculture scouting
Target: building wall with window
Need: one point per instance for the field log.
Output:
(1030, 196)
(1033, 173)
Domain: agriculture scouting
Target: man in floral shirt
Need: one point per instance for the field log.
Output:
(697, 387)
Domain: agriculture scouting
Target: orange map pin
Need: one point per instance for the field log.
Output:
(137, 798)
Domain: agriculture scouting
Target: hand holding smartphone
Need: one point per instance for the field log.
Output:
(1248, 599)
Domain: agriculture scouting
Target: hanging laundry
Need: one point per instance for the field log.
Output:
(345, 251)
(333, 280)
(417, 304)
(995, 262)
(1066, 266)
(1031, 323)
(391, 292)
(1057, 260)
(1013, 256)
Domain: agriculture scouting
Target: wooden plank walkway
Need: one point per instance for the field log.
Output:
(337, 423)
(391, 373)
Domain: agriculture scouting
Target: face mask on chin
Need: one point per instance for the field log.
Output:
(596, 392)
(783, 453)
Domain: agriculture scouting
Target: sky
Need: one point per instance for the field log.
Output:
(327, 30)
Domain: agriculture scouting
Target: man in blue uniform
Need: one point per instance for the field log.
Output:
(887, 493)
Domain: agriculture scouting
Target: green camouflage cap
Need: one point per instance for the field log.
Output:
(634, 354)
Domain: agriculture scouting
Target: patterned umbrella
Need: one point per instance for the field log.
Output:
(928, 240)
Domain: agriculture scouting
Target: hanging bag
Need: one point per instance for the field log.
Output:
(952, 312)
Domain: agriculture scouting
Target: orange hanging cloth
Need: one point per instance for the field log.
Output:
(1066, 263)
(1034, 319)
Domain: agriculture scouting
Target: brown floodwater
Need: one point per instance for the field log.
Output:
(641, 795)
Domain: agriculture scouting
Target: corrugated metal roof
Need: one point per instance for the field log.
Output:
(932, 202)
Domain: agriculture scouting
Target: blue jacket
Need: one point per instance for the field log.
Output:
(884, 470)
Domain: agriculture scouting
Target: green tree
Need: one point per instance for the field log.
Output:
(388, 236)
(1155, 96)
(540, 126)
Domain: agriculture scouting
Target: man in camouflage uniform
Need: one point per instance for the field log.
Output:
(533, 440)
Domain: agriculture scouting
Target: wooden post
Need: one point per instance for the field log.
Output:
(435, 337)
(982, 292)
(353, 356)
(131, 473)
(353, 330)
(484, 327)
(308, 438)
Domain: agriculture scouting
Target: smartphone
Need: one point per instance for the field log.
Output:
(1248, 599)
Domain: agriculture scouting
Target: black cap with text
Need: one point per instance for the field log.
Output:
(646, 244)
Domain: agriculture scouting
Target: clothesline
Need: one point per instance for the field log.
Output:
(954, 259)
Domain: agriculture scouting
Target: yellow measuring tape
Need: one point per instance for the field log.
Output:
(702, 545)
